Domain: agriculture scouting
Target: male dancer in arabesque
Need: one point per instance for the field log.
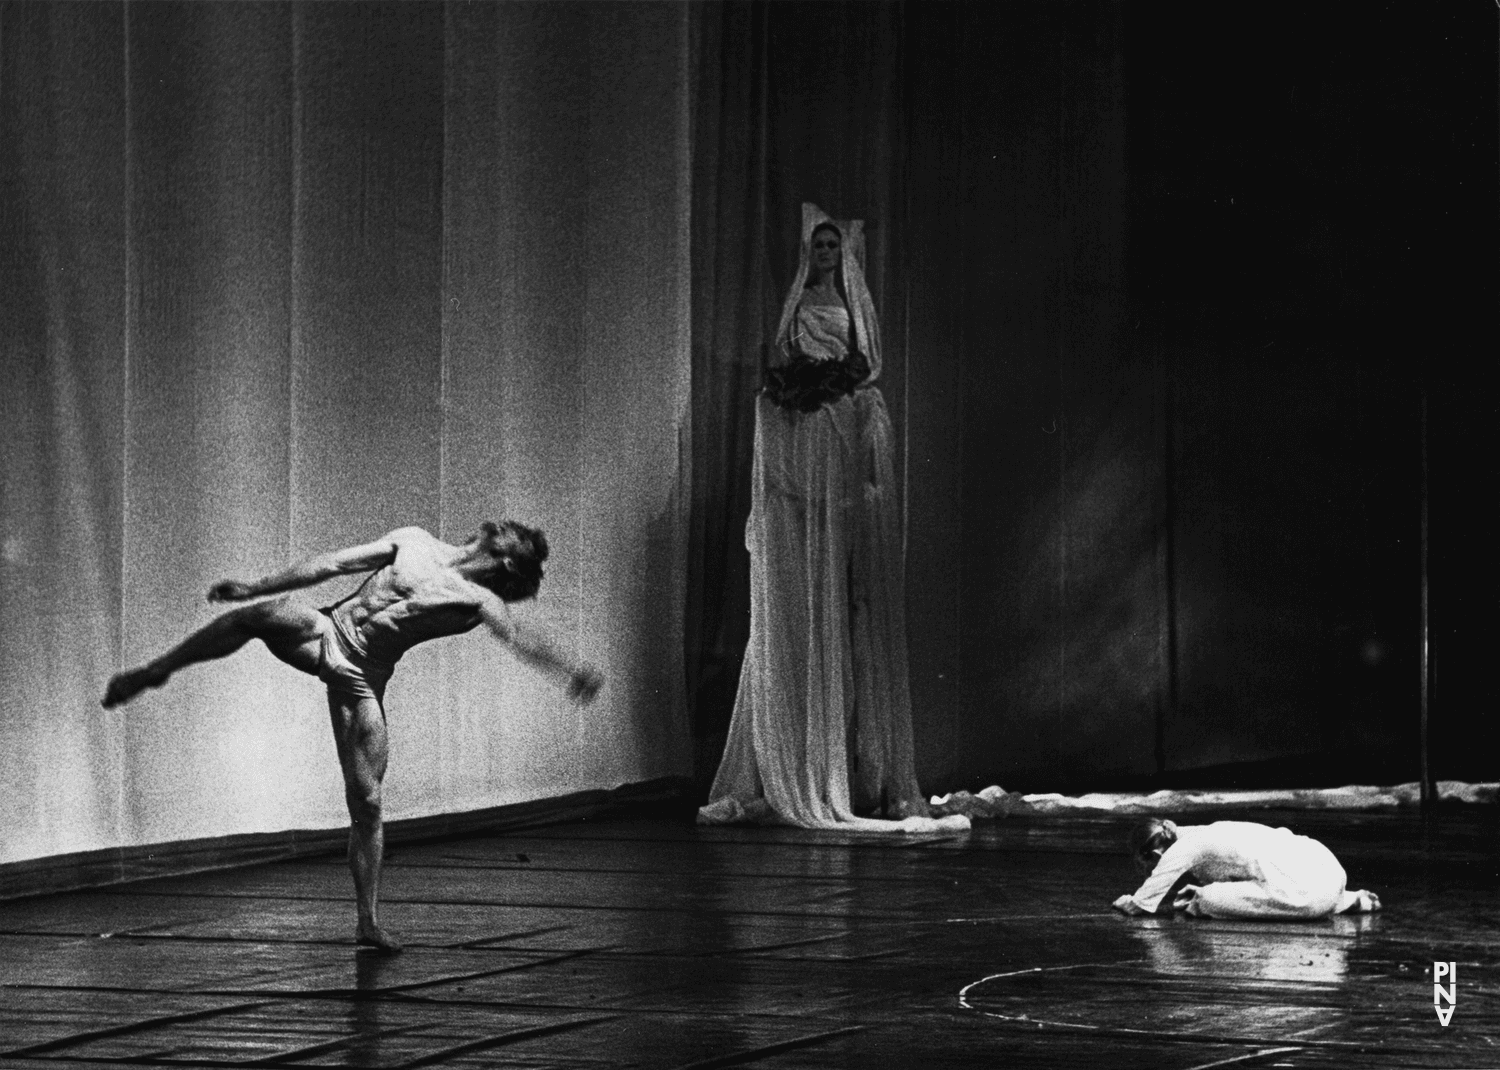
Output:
(418, 589)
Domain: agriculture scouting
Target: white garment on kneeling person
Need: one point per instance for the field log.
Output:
(1240, 869)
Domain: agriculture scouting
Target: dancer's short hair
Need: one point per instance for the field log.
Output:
(1149, 837)
(518, 552)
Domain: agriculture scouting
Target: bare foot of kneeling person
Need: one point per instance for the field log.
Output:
(1365, 903)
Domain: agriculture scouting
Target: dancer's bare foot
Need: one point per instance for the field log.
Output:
(368, 934)
(1368, 902)
(124, 686)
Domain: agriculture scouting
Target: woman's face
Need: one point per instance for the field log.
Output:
(826, 251)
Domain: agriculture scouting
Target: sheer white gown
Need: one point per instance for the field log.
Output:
(822, 719)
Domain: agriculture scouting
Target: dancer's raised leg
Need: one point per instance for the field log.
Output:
(291, 631)
(359, 732)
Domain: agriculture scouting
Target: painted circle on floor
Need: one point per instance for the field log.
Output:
(1285, 991)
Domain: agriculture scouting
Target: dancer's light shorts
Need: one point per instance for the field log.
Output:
(344, 668)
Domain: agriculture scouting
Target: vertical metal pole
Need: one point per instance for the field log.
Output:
(1167, 712)
(1428, 794)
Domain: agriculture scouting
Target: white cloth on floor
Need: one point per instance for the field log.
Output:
(1240, 869)
(1349, 797)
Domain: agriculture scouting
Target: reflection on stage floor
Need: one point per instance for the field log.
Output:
(649, 942)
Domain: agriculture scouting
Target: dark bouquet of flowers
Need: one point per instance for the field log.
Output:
(807, 384)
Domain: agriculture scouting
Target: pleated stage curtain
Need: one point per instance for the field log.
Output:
(1136, 544)
(277, 278)
(983, 146)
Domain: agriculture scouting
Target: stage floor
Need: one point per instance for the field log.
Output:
(647, 942)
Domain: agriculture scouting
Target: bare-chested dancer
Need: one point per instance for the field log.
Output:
(419, 589)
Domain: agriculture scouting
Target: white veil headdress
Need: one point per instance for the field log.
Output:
(856, 292)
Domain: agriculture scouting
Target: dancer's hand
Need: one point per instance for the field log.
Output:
(584, 684)
(230, 591)
(1183, 898)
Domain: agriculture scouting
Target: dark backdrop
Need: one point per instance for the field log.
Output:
(1162, 293)
(1313, 236)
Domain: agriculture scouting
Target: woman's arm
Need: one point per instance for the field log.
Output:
(313, 570)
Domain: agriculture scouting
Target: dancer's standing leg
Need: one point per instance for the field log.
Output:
(360, 734)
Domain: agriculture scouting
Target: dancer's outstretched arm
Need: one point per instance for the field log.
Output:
(314, 570)
(536, 648)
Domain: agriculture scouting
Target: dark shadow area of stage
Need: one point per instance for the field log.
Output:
(1163, 294)
(648, 942)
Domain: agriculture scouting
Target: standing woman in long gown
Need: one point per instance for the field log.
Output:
(822, 719)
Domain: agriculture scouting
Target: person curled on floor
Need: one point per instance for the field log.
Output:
(1238, 869)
